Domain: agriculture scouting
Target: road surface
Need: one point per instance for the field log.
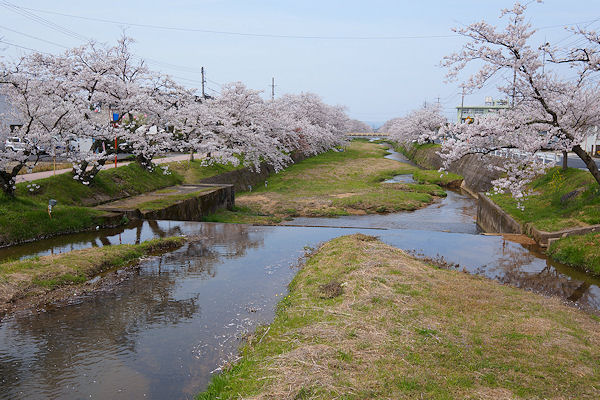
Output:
(40, 175)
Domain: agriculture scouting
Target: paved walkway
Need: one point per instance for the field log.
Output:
(46, 174)
(576, 162)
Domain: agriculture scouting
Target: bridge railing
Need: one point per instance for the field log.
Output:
(367, 134)
(545, 157)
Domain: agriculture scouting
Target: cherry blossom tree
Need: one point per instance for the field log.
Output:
(317, 127)
(553, 107)
(194, 127)
(419, 126)
(243, 129)
(355, 125)
(387, 126)
(103, 94)
(44, 105)
(124, 102)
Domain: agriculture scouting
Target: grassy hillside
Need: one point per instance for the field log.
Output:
(331, 184)
(549, 209)
(365, 321)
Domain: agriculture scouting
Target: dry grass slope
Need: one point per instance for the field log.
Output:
(399, 328)
(332, 184)
(39, 275)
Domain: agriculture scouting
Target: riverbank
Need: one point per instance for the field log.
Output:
(579, 251)
(351, 182)
(477, 176)
(561, 204)
(364, 320)
(30, 282)
(25, 218)
(559, 200)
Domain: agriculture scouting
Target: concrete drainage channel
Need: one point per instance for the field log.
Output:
(176, 203)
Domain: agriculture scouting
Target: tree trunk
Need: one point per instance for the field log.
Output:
(88, 176)
(83, 167)
(192, 155)
(145, 162)
(565, 161)
(589, 162)
(6, 183)
(8, 180)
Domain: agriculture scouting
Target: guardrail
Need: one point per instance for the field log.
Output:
(552, 158)
(367, 134)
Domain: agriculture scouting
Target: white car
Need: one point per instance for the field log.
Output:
(14, 143)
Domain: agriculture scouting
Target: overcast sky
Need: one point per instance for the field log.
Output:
(376, 79)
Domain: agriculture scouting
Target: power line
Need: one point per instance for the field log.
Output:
(43, 21)
(567, 25)
(34, 37)
(176, 67)
(78, 36)
(23, 47)
(246, 34)
(215, 82)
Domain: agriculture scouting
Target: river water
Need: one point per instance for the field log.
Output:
(160, 333)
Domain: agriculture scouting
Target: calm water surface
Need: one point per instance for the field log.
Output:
(161, 333)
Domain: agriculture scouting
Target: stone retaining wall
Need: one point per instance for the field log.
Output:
(193, 209)
(475, 169)
(245, 179)
(491, 218)
(544, 238)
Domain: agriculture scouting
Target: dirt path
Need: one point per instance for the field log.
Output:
(46, 174)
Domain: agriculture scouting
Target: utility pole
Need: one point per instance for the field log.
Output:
(514, 91)
(544, 62)
(462, 105)
(203, 82)
(273, 88)
(438, 100)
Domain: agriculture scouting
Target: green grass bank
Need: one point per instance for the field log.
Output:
(333, 184)
(39, 275)
(560, 200)
(582, 252)
(363, 320)
(25, 217)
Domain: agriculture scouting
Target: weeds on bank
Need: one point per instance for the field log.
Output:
(49, 272)
(333, 184)
(581, 251)
(364, 320)
(548, 209)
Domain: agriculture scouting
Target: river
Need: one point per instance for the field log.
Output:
(164, 331)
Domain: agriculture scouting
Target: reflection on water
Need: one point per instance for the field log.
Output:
(158, 334)
(401, 179)
(454, 213)
(135, 232)
(162, 332)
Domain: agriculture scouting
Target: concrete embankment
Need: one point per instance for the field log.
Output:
(178, 203)
(478, 177)
(245, 179)
(478, 172)
(491, 218)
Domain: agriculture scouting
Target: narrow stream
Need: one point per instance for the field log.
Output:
(161, 333)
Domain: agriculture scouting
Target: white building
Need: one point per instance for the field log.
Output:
(9, 120)
(468, 113)
(592, 142)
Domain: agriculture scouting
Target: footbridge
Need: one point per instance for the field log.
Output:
(367, 134)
